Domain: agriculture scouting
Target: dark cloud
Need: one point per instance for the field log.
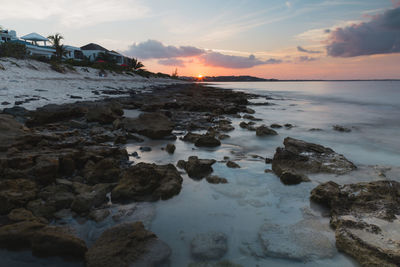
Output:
(381, 35)
(306, 59)
(301, 49)
(172, 62)
(155, 49)
(216, 59)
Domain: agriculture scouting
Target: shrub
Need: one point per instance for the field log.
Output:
(15, 50)
(57, 67)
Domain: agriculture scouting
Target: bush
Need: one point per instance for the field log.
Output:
(57, 67)
(15, 50)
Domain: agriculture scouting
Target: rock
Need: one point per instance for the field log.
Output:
(105, 171)
(268, 171)
(16, 194)
(46, 169)
(288, 126)
(90, 196)
(247, 125)
(20, 114)
(251, 117)
(207, 141)
(289, 177)
(275, 125)
(264, 130)
(249, 111)
(268, 160)
(191, 137)
(21, 214)
(299, 157)
(209, 246)
(213, 179)
(170, 148)
(146, 181)
(40, 208)
(55, 113)
(223, 263)
(127, 245)
(60, 196)
(145, 148)
(366, 218)
(340, 128)
(67, 166)
(231, 164)
(103, 114)
(304, 241)
(153, 125)
(99, 215)
(197, 168)
(43, 240)
(10, 131)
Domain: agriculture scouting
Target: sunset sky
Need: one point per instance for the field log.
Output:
(294, 39)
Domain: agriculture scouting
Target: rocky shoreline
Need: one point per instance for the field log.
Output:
(70, 160)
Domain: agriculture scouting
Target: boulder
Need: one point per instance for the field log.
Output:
(106, 170)
(197, 168)
(207, 141)
(209, 246)
(170, 148)
(213, 179)
(247, 125)
(299, 157)
(152, 125)
(146, 181)
(365, 217)
(16, 194)
(231, 164)
(264, 131)
(127, 244)
(289, 177)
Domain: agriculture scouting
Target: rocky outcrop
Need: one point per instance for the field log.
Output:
(103, 113)
(127, 245)
(153, 125)
(16, 193)
(298, 158)
(209, 246)
(197, 168)
(43, 240)
(213, 179)
(207, 141)
(10, 131)
(264, 130)
(55, 113)
(144, 181)
(366, 218)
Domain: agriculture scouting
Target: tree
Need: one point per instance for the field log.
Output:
(136, 64)
(175, 74)
(56, 41)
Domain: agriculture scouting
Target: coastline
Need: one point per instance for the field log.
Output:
(63, 153)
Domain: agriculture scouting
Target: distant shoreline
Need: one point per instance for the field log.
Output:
(371, 80)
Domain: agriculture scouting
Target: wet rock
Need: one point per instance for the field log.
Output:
(59, 196)
(46, 169)
(315, 130)
(207, 141)
(22, 214)
(213, 179)
(299, 157)
(268, 171)
(197, 168)
(231, 164)
(275, 125)
(105, 171)
(16, 193)
(146, 181)
(340, 128)
(209, 246)
(43, 240)
(20, 114)
(224, 126)
(288, 126)
(89, 196)
(365, 217)
(10, 131)
(223, 263)
(153, 125)
(247, 125)
(268, 160)
(103, 113)
(99, 215)
(251, 117)
(264, 131)
(170, 148)
(249, 111)
(291, 178)
(145, 148)
(40, 208)
(127, 245)
(55, 113)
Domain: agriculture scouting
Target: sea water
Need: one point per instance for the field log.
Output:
(259, 215)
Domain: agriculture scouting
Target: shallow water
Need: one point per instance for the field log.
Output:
(255, 209)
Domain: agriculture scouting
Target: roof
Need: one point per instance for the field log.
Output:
(34, 37)
(93, 46)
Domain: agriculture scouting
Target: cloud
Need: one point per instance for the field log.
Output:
(301, 49)
(74, 14)
(172, 62)
(216, 59)
(380, 35)
(288, 4)
(396, 3)
(156, 49)
(306, 59)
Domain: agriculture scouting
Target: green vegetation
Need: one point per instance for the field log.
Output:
(136, 64)
(14, 50)
(56, 41)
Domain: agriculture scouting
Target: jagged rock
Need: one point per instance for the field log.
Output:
(16, 193)
(213, 179)
(197, 168)
(127, 245)
(170, 148)
(43, 240)
(10, 131)
(209, 246)
(231, 164)
(299, 157)
(366, 219)
(264, 130)
(207, 141)
(146, 181)
(153, 125)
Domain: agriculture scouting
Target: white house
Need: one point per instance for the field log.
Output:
(6, 36)
(92, 52)
(34, 48)
(73, 52)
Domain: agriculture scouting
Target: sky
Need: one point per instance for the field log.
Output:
(293, 39)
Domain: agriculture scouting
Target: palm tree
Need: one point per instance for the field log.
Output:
(56, 41)
(136, 64)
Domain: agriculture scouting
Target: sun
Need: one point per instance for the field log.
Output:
(199, 76)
